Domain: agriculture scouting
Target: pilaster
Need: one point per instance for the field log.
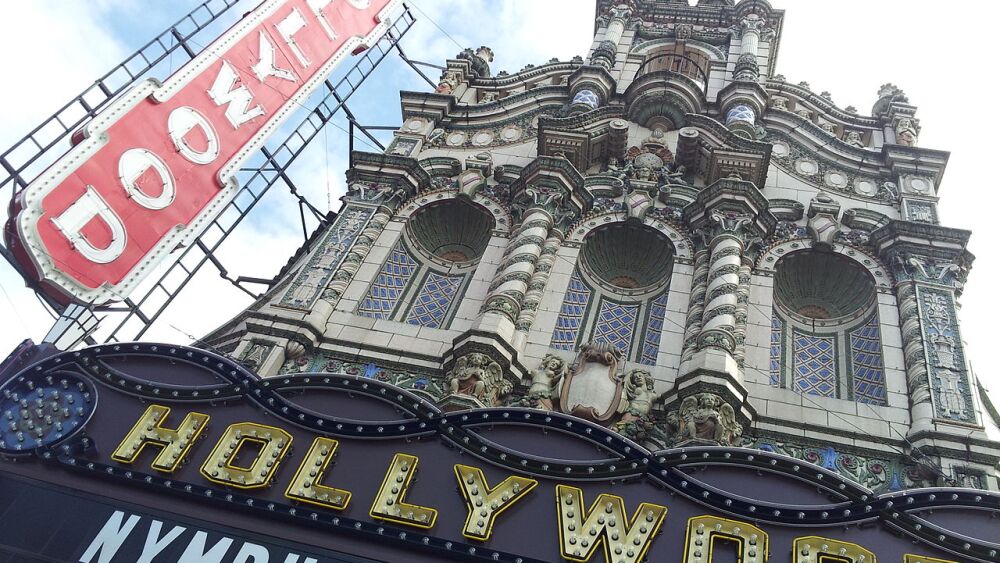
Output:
(930, 264)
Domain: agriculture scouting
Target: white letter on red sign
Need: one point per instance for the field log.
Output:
(181, 122)
(90, 206)
(266, 66)
(132, 165)
(223, 91)
(287, 28)
(317, 7)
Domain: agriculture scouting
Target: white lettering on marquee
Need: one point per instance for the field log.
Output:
(84, 210)
(287, 28)
(267, 66)
(236, 100)
(181, 122)
(318, 8)
(154, 544)
(132, 165)
(195, 552)
(110, 539)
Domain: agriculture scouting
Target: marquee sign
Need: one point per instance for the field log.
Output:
(149, 172)
(151, 452)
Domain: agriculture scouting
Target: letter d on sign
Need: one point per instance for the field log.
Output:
(92, 206)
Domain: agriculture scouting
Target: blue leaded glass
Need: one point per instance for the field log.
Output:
(815, 364)
(389, 286)
(776, 325)
(866, 363)
(651, 343)
(616, 324)
(571, 314)
(433, 300)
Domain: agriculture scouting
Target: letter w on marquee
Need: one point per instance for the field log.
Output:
(582, 530)
(156, 166)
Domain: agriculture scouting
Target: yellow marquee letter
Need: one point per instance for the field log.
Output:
(273, 443)
(305, 486)
(814, 549)
(703, 531)
(922, 559)
(580, 532)
(148, 431)
(485, 504)
(389, 504)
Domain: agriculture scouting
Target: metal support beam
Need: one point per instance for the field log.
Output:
(414, 65)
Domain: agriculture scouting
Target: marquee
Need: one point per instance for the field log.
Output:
(154, 452)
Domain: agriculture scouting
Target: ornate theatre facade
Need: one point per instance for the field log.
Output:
(664, 237)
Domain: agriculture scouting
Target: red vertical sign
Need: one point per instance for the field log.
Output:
(158, 164)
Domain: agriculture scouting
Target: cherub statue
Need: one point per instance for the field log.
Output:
(638, 398)
(478, 376)
(906, 132)
(674, 176)
(545, 382)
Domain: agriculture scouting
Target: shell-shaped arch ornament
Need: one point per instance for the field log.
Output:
(170, 396)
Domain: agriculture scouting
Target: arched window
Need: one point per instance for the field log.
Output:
(677, 58)
(825, 337)
(430, 265)
(618, 292)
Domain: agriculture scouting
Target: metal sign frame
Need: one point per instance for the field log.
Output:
(134, 316)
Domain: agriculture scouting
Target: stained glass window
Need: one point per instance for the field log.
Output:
(651, 343)
(433, 300)
(815, 364)
(390, 284)
(616, 324)
(571, 314)
(866, 363)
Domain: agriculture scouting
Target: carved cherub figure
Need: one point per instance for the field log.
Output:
(478, 376)
(638, 398)
(545, 381)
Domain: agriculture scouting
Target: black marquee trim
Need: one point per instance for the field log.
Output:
(854, 503)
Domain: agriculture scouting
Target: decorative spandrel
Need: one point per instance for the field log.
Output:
(952, 389)
(317, 273)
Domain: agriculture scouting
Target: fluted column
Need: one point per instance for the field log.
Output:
(742, 308)
(696, 307)
(536, 287)
(750, 41)
(719, 324)
(616, 27)
(507, 292)
(605, 53)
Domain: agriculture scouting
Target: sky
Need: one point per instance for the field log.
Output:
(849, 48)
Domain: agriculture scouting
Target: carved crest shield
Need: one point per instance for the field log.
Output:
(592, 388)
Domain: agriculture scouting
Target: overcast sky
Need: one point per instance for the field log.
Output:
(849, 47)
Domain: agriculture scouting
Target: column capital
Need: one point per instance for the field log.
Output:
(925, 253)
(731, 206)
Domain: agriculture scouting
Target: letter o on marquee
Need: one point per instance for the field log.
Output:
(181, 122)
(136, 162)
